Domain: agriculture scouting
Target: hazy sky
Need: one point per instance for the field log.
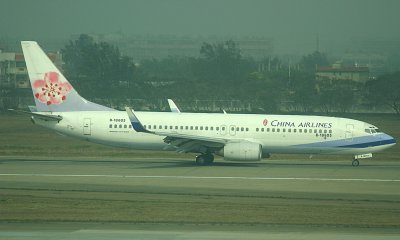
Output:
(282, 20)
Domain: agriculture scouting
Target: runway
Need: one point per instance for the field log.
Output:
(200, 177)
(179, 200)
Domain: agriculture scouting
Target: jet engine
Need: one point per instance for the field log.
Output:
(242, 151)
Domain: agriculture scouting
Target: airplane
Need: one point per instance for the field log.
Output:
(236, 137)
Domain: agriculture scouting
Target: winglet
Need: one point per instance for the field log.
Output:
(136, 124)
(173, 106)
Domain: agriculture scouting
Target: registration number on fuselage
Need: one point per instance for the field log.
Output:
(118, 120)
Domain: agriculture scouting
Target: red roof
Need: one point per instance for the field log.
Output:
(19, 56)
(342, 69)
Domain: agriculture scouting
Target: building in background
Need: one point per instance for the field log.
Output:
(338, 72)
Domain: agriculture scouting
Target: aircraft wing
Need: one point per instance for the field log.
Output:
(182, 142)
(45, 117)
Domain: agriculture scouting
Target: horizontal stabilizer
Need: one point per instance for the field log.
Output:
(45, 117)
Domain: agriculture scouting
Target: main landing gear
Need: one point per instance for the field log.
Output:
(204, 159)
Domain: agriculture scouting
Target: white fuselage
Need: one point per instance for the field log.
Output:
(275, 133)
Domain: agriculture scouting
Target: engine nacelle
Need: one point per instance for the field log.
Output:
(242, 151)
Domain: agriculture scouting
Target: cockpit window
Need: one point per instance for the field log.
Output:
(371, 130)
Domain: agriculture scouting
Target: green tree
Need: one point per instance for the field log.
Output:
(221, 62)
(310, 62)
(338, 97)
(385, 91)
(96, 68)
(302, 92)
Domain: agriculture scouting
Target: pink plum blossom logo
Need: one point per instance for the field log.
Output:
(50, 90)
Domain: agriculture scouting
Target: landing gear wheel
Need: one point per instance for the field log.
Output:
(200, 160)
(355, 163)
(210, 158)
(204, 159)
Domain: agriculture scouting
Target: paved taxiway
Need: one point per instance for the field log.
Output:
(373, 189)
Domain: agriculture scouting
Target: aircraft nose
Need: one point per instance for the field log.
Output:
(387, 139)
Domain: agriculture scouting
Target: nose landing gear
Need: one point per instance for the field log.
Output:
(355, 161)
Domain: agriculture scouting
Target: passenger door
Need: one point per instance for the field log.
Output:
(87, 126)
(349, 132)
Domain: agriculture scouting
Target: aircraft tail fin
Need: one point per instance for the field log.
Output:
(51, 90)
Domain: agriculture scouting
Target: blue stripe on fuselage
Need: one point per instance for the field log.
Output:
(370, 144)
(357, 142)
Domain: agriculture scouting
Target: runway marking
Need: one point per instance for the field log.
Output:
(199, 177)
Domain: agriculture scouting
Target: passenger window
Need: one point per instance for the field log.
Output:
(206, 128)
(330, 131)
(181, 127)
(160, 127)
(155, 127)
(186, 127)
(211, 128)
(284, 130)
(289, 130)
(305, 130)
(223, 128)
(257, 129)
(201, 128)
(273, 130)
(315, 131)
(165, 127)
(320, 131)
(242, 129)
(171, 127)
(110, 126)
(294, 130)
(115, 126)
(217, 128)
(278, 130)
(176, 127)
(130, 126)
(325, 131)
(191, 127)
(125, 126)
(262, 129)
(300, 130)
(196, 128)
(247, 129)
